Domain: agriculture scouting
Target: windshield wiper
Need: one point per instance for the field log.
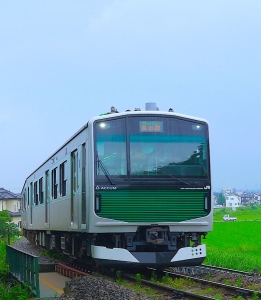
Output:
(170, 175)
(104, 169)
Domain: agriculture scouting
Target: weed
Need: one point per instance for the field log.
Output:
(138, 278)
(255, 296)
(239, 282)
(153, 276)
(238, 298)
(14, 291)
(228, 282)
(207, 291)
(44, 252)
(118, 276)
(52, 254)
(55, 256)
(166, 279)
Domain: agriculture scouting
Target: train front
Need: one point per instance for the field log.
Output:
(152, 190)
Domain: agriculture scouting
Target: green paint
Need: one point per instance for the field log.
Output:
(152, 205)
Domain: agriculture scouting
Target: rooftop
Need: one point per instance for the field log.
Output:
(4, 194)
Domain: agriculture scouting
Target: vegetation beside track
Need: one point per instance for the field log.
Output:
(244, 213)
(235, 245)
(8, 233)
(9, 289)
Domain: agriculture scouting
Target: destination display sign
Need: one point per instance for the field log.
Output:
(151, 126)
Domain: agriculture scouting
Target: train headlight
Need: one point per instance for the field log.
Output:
(197, 127)
(104, 125)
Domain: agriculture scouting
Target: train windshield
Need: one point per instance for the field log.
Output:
(152, 146)
(111, 148)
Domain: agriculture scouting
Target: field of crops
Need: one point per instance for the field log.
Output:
(235, 245)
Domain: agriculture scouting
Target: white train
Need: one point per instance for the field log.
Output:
(128, 189)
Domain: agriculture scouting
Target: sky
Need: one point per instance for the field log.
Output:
(63, 62)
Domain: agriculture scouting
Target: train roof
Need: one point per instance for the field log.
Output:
(145, 112)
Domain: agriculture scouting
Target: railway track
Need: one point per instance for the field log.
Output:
(210, 269)
(217, 288)
(172, 284)
(164, 291)
(161, 291)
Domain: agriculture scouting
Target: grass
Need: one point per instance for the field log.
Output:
(8, 289)
(235, 245)
(246, 213)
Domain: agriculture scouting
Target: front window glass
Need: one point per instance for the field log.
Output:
(151, 147)
(167, 147)
(111, 148)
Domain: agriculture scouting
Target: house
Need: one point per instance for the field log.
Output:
(257, 198)
(12, 203)
(233, 201)
(228, 191)
(247, 199)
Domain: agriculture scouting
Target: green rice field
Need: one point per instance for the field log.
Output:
(235, 245)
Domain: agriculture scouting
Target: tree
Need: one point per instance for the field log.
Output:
(221, 199)
(6, 225)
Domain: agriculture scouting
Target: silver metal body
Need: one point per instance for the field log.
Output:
(73, 215)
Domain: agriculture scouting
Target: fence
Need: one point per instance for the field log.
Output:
(24, 267)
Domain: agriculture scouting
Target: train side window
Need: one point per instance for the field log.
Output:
(54, 183)
(36, 199)
(63, 178)
(24, 201)
(41, 190)
(74, 171)
(31, 194)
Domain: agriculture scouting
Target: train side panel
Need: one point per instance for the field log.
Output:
(54, 196)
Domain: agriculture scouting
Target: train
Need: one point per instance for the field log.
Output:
(128, 189)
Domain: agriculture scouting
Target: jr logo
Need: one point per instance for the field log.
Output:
(207, 187)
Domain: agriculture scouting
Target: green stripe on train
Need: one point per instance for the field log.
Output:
(152, 205)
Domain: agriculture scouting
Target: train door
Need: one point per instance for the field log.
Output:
(28, 205)
(74, 186)
(31, 203)
(47, 200)
(83, 208)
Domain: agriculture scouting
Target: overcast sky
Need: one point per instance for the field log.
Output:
(63, 62)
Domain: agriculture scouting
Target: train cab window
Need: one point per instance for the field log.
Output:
(111, 159)
(63, 178)
(54, 183)
(168, 147)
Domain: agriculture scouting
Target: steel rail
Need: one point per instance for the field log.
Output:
(232, 289)
(175, 293)
(254, 273)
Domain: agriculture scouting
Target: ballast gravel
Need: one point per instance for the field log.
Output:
(24, 245)
(89, 287)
